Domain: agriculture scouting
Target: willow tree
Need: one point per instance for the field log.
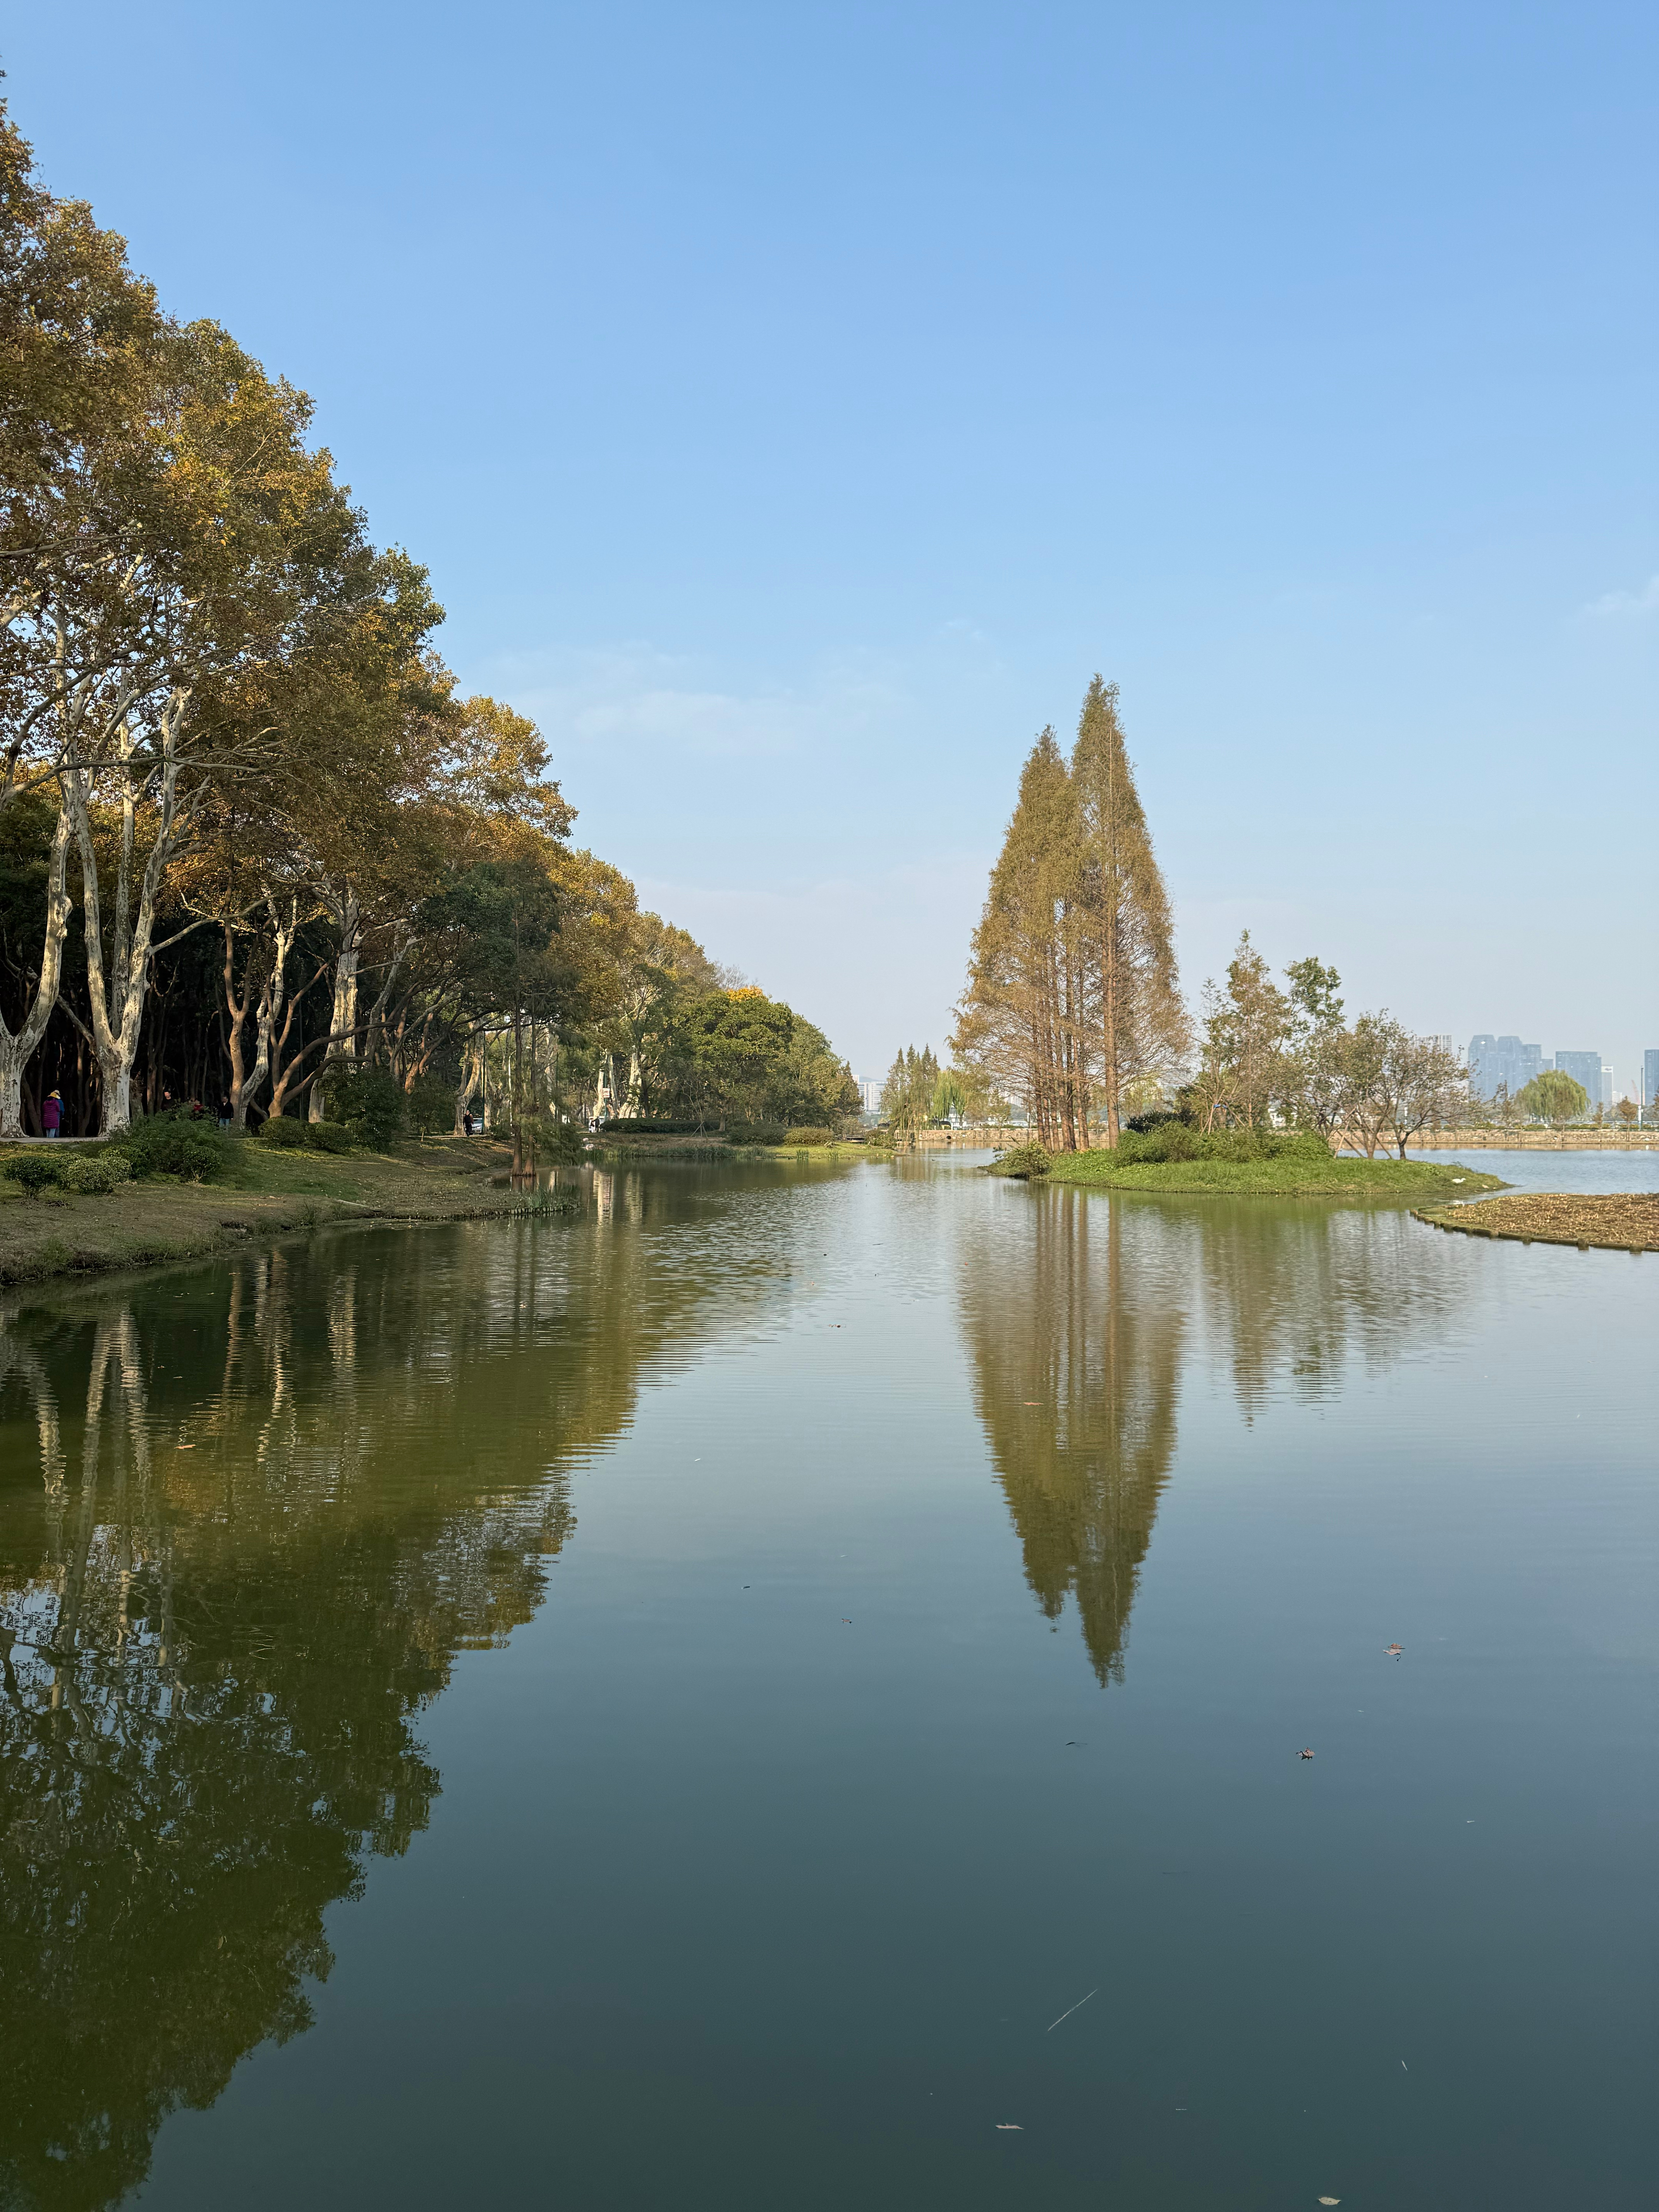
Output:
(1019, 1022)
(1137, 1025)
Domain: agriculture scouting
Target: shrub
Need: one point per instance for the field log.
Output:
(561, 1146)
(96, 1173)
(33, 1172)
(1174, 1139)
(173, 1145)
(368, 1102)
(649, 1126)
(810, 1136)
(755, 1133)
(1024, 1162)
(328, 1136)
(1170, 1140)
(284, 1131)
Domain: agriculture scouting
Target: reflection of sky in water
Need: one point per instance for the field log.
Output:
(1575, 1171)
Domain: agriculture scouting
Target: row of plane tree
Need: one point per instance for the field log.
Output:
(253, 836)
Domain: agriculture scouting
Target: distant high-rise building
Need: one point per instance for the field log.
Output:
(1502, 1060)
(1445, 1042)
(1649, 1079)
(869, 1092)
(1585, 1067)
(1606, 1087)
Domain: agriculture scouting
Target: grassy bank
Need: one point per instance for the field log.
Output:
(631, 1150)
(1621, 1222)
(265, 1193)
(1299, 1174)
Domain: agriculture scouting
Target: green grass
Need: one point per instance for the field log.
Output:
(1337, 1176)
(264, 1192)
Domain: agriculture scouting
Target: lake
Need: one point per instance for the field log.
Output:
(786, 1687)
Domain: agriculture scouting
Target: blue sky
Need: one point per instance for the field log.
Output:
(795, 405)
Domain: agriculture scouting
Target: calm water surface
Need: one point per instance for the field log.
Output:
(783, 1689)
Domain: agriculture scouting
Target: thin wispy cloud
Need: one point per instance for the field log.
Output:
(1628, 605)
(637, 695)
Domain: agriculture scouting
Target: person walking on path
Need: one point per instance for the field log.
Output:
(52, 1114)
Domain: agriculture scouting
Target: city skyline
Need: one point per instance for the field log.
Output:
(1506, 1059)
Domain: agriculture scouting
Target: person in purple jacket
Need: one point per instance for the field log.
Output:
(52, 1114)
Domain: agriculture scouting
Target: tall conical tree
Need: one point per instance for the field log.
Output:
(1018, 1021)
(1138, 1024)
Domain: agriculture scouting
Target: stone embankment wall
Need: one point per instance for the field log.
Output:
(975, 1140)
(1536, 1140)
(1463, 1140)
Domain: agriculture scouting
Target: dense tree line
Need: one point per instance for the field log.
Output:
(1072, 1004)
(254, 844)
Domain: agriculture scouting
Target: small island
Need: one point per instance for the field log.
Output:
(1253, 1162)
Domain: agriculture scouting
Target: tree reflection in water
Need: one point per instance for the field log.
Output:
(249, 1515)
(1082, 1309)
(1091, 1305)
(1295, 1294)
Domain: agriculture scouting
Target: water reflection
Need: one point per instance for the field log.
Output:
(1076, 1330)
(249, 1516)
(1082, 1311)
(1295, 1296)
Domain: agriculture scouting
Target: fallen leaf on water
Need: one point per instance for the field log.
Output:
(1330, 2200)
(1009, 2127)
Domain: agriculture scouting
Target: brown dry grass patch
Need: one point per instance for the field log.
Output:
(1623, 1222)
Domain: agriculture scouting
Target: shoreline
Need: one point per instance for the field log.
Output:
(268, 1195)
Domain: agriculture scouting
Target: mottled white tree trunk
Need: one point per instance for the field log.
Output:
(284, 928)
(17, 1048)
(349, 919)
(118, 975)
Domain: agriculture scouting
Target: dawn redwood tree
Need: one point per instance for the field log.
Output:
(909, 1093)
(1128, 978)
(1019, 1020)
